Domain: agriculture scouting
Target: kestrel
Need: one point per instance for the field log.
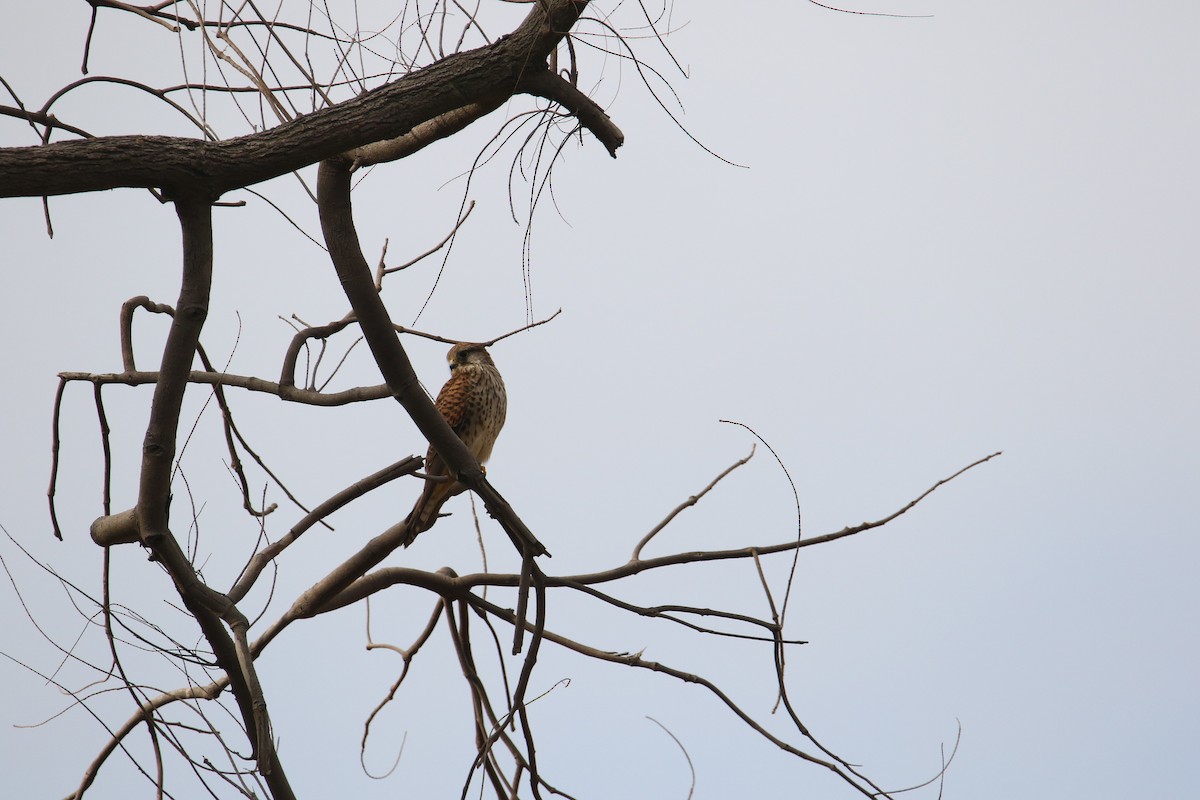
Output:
(473, 402)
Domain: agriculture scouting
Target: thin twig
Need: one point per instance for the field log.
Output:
(691, 501)
(682, 749)
(381, 270)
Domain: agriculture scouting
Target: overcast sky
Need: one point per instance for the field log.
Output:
(944, 237)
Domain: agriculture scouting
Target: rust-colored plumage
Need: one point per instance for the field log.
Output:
(473, 402)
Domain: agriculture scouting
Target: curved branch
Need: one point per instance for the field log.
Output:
(126, 325)
(154, 491)
(145, 712)
(287, 375)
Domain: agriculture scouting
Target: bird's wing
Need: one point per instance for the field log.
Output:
(452, 404)
(452, 399)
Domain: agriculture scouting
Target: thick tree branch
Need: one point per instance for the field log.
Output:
(178, 165)
(337, 224)
(154, 492)
(158, 449)
(550, 86)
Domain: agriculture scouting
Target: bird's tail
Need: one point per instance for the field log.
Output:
(425, 510)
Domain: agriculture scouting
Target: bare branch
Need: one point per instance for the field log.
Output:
(154, 491)
(382, 578)
(682, 749)
(356, 490)
(691, 501)
(381, 270)
(55, 445)
(549, 85)
(291, 394)
(176, 164)
(488, 343)
(635, 660)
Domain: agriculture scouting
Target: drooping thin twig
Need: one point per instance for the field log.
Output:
(787, 594)
(682, 749)
(406, 654)
(868, 13)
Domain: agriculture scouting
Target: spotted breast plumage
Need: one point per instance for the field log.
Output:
(474, 403)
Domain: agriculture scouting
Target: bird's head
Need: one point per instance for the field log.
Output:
(465, 353)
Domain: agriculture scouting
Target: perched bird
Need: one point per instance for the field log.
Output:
(473, 402)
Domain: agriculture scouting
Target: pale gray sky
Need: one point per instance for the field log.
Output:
(954, 235)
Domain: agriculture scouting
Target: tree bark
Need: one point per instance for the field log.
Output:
(181, 165)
